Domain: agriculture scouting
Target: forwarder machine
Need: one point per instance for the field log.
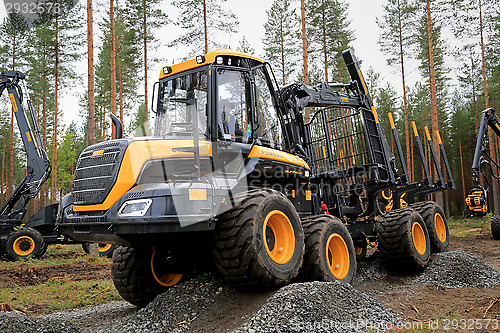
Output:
(476, 202)
(20, 237)
(17, 238)
(232, 175)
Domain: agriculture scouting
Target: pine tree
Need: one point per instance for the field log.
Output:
(329, 34)
(281, 38)
(398, 23)
(202, 23)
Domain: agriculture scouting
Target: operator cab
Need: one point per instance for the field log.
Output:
(223, 96)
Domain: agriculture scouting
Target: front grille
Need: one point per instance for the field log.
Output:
(94, 176)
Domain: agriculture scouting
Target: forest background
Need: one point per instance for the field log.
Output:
(442, 56)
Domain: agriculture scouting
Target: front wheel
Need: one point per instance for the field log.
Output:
(140, 275)
(330, 253)
(25, 243)
(259, 244)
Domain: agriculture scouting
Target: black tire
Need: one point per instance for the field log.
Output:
(85, 248)
(25, 243)
(495, 227)
(324, 232)
(436, 223)
(245, 246)
(106, 250)
(403, 240)
(134, 278)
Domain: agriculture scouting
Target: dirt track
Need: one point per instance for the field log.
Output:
(221, 308)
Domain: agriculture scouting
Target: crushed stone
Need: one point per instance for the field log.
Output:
(320, 307)
(459, 269)
(11, 322)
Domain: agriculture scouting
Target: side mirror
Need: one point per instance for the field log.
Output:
(154, 100)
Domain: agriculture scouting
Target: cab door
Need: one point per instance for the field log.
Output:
(232, 121)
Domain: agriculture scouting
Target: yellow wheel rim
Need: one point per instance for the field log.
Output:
(104, 247)
(279, 238)
(167, 279)
(418, 236)
(440, 227)
(337, 255)
(24, 246)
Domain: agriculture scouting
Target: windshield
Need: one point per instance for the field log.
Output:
(183, 106)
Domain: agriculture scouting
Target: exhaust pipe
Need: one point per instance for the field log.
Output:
(118, 125)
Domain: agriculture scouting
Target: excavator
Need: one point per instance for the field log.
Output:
(476, 203)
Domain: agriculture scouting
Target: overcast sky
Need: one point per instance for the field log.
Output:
(252, 16)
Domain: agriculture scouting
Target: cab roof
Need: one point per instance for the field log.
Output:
(208, 58)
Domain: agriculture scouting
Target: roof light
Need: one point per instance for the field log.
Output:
(200, 59)
(219, 60)
(167, 70)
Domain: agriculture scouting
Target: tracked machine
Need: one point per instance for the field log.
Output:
(232, 175)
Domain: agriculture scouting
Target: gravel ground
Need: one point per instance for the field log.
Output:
(459, 269)
(20, 323)
(453, 269)
(320, 307)
(196, 305)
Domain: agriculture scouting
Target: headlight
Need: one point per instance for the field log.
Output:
(137, 207)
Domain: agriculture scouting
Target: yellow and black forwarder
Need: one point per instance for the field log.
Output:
(232, 175)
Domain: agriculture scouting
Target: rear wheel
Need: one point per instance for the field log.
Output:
(403, 240)
(495, 227)
(140, 275)
(259, 244)
(329, 252)
(25, 243)
(436, 224)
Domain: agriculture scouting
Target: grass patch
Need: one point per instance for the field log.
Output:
(466, 227)
(60, 294)
(56, 255)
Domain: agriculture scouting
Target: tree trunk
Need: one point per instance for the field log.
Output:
(10, 180)
(3, 173)
(90, 73)
(434, 118)
(54, 144)
(205, 24)
(282, 50)
(405, 99)
(304, 50)
(491, 136)
(324, 44)
(113, 63)
(146, 127)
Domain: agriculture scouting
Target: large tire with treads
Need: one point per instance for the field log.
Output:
(329, 253)
(25, 243)
(403, 240)
(259, 243)
(495, 227)
(134, 276)
(436, 223)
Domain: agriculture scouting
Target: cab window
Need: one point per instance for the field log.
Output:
(267, 129)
